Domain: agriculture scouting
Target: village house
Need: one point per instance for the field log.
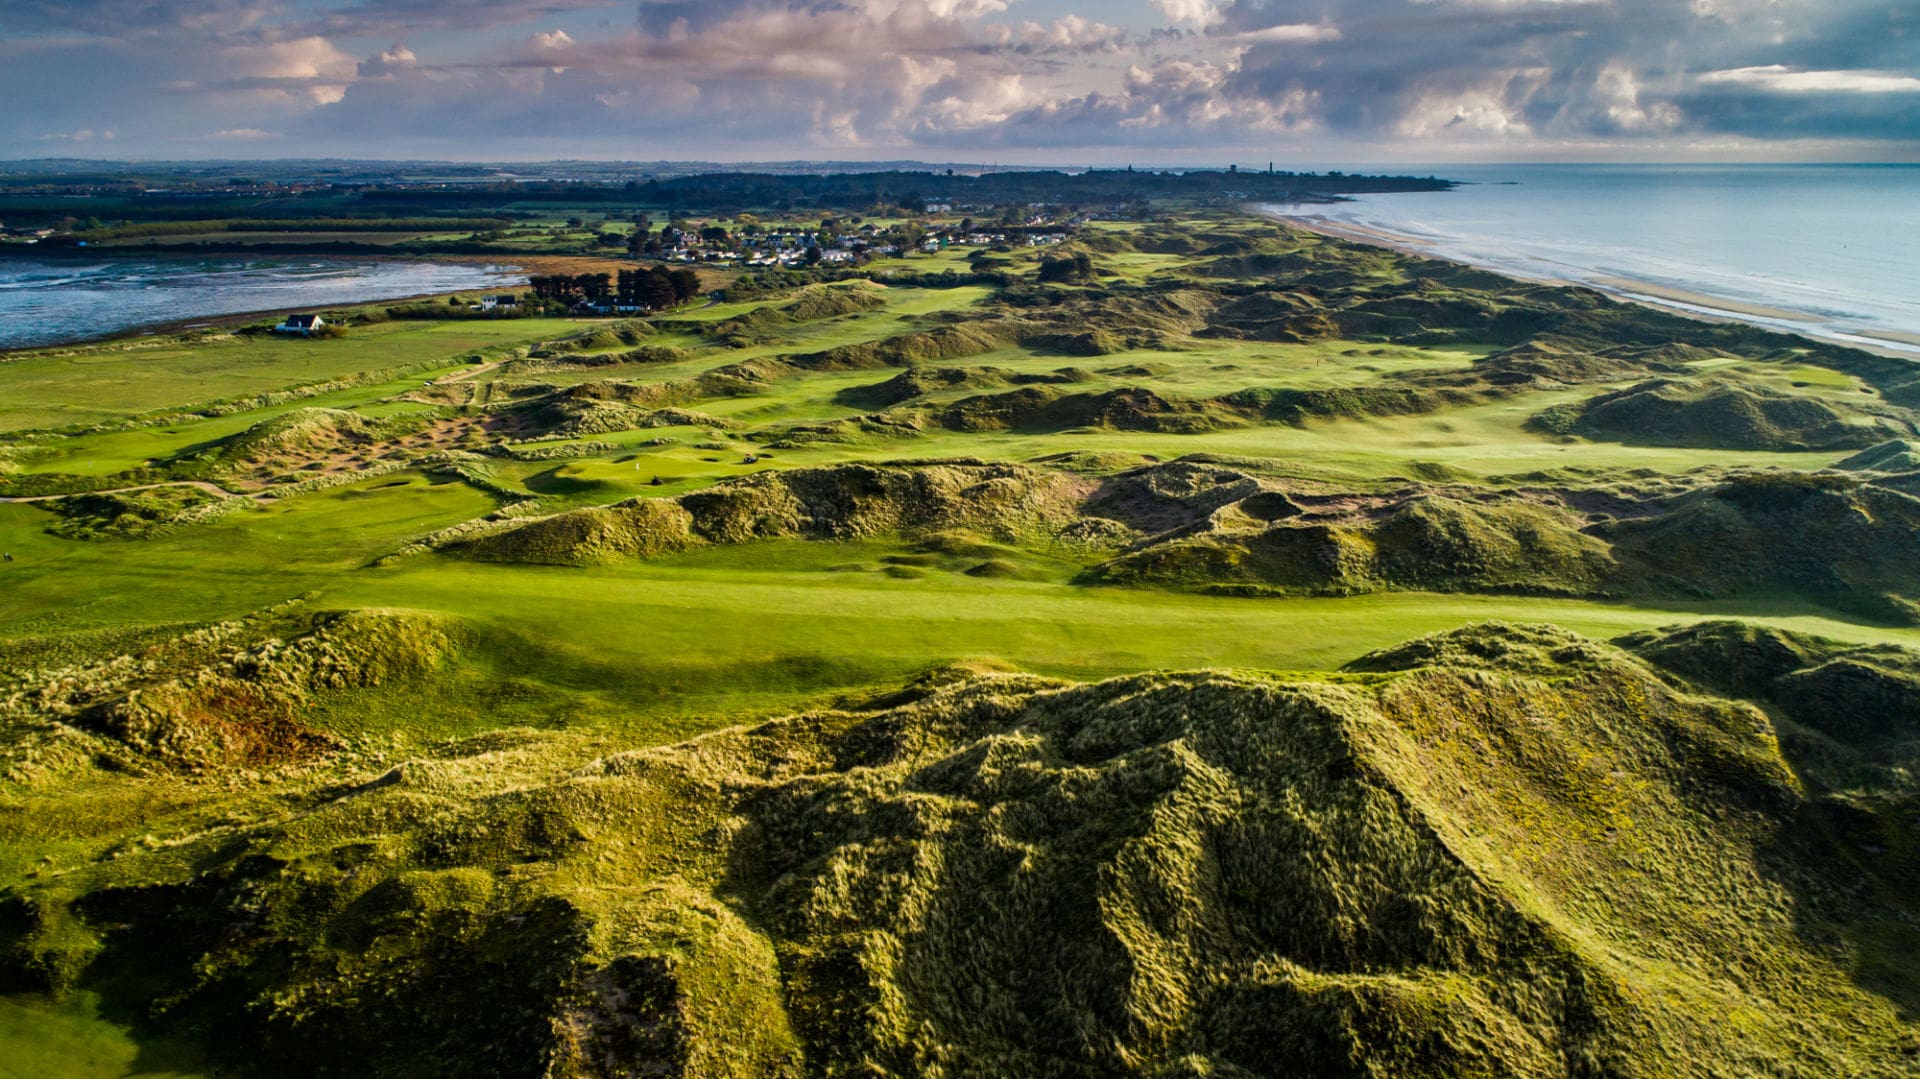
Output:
(304, 325)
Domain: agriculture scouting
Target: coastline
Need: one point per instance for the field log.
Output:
(178, 326)
(1700, 305)
(228, 319)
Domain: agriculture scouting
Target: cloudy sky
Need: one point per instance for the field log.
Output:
(1049, 81)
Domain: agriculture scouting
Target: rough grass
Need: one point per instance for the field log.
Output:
(847, 502)
(1725, 415)
(128, 515)
(1461, 867)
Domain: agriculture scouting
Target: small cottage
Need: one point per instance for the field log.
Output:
(304, 325)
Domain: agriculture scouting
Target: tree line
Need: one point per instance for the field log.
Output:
(648, 288)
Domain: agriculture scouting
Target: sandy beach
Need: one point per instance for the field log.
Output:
(1653, 294)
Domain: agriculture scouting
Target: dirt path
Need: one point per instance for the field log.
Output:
(466, 373)
(202, 485)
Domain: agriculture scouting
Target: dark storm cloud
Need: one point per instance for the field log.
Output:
(128, 17)
(1607, 68)
(414, 16)
(352, 18)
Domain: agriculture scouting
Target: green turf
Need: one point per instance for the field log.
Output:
(71, 1040)
(61, 387)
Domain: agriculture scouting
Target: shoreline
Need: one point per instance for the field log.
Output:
(522, 267)
(1705, 306)
(174, 327)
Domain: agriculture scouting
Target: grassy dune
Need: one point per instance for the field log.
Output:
(408, 726)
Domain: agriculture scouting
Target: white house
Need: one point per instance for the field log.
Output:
(304, 325)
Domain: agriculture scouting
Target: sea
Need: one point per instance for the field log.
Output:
(47, 301)
(1830, 251)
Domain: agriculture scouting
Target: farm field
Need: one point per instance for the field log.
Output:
(808, 654)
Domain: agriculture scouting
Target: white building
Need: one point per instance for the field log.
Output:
(304, 325)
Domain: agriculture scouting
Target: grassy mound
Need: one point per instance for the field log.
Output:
(833, 301)
(125, 515)
(1825, 535)
(608, 406)
(811, 305)
(645, 354)
(1443, 868)
(1897, 455)
(1265, 541)
(226, 696)
(593, 409)
(644, 528)
(1041, 408)
(303, 432)
(1857, 706)
(842, 502)
(906, 350)
(921, 381)
(598, 339)
(1722, 414)
(1447, 544)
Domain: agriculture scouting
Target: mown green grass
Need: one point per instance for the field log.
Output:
(70, 1040)
(660, 649)
(55, 388)
(107, 452)
(256, 557)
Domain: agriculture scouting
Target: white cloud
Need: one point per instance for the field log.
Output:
(304, 69)
(1068, 33)
(391, 62)
(1517, 3)
(1493, 107)
(1617, 91)
(1198, 14)
(85, 134)
(240, 134)
(1780, 79)
(1289, 32)
(965, 9)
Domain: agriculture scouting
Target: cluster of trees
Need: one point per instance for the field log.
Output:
(1067, 269)
(571, 288)
(653, 288)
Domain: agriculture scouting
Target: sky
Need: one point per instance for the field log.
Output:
(1059, 82)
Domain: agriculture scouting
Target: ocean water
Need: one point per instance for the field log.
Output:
(1826, 250)
(49, 301)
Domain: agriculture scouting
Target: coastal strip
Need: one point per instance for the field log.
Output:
(1683, 301)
